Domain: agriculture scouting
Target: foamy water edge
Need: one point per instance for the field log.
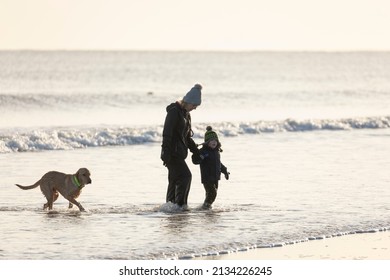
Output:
(64, 138)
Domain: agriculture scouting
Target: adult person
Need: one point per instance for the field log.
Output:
(177, 139)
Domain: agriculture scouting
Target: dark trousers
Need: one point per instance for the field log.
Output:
(179, 178)
(211, 192)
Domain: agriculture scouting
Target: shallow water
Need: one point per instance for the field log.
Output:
(283, 187)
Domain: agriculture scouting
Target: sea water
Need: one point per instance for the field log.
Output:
(305, 137)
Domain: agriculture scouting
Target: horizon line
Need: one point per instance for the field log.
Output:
(192, 50)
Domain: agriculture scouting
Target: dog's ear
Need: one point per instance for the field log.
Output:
(84, 171)
(78, 174)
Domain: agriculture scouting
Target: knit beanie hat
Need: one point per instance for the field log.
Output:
(210, 134)
(194, 95)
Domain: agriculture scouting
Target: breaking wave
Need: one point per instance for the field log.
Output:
(77, 138)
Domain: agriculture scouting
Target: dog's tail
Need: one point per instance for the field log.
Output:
(29, 187)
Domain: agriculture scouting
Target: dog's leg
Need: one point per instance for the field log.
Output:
(49, 203)
(49, 193)
(72, 200)
(55, 195)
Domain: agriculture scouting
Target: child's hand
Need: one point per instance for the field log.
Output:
(227, 175)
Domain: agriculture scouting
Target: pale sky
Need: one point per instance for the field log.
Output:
(195, 24)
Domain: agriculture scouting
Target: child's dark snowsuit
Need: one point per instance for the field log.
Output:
(210, 169)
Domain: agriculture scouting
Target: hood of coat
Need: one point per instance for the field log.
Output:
(173, 106)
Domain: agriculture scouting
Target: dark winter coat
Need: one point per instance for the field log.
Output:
(177, 134)
(210, 164)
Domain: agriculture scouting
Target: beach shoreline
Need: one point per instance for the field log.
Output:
(358, 246)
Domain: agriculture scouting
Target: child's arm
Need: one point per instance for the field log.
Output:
(224, 171)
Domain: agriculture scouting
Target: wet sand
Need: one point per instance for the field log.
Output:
(366, 246)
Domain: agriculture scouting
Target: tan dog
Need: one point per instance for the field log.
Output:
(69, 186)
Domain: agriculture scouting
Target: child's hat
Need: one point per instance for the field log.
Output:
(194, 96)
(210, 134)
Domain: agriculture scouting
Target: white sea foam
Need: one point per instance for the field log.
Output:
(72, 138)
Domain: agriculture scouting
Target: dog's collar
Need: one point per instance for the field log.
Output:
(76, 182)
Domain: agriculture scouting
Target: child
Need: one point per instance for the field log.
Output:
(211, 167)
